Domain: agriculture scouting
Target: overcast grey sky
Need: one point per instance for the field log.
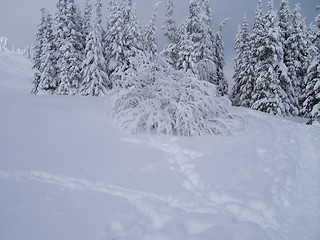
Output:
(18, 18)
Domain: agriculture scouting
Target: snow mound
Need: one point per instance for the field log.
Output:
(174, 104)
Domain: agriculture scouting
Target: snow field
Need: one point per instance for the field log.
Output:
(66, 172)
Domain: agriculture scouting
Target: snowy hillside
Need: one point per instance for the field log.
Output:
(66, 172)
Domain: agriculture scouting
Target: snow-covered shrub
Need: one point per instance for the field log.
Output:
(3, 44)
(159, 99)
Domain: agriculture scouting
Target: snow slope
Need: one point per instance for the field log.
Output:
(66, 172)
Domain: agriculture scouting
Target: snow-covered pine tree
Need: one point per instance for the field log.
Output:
(285, 32)
(284, 16)
(133, 39)
(114, 39)
(192, 34)
(268, 94)
(123, 40)
(311, 105)
(171, 32)
(169, 27)
(243, 87)
(48, 79)
(87, 15)
(150, 41)
(68, 50)
(238, 81)
(207, 67)
(38, 48)
(222, 82)
(95, 81)
(185, 47)
(297, 57)
(196, 44)
(256, 40)
(207, 19)
(79, 31)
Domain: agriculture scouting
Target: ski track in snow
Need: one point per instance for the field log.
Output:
(136, 198)
(208, 200)
(147, 204)
(294, 196)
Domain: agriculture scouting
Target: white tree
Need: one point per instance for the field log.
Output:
(268, 93)
(95, 81)
(172, 102)
(297, 54)
(150, 40)
(221, 80)
(86, 23)
(243, 87)
(311, 105)
(48, 78)
(199, 49)
(68, 48)
(207, 66)
(38, 50)
(171, 32)
(122, 39)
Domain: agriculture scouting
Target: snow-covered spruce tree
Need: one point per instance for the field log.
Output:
(38, 49)
(95, 81)
(268, 93)
(79, 31)
(256, 42)
(114, 39)
(169, 27)
(297, 54)
(87, 15)
(123, 40)
(80, 43)
(289, 60)
(48, 79)
(185, 47)
(170, 30)
(222, 82)
(311, 105)
(133, 39)
(150, 41)
(169, 101)
(150, 46)
(68, 48)
(238, 82)
(284, 16)
(192, 34)
(243, 87)
(196, 46)
(207, 67)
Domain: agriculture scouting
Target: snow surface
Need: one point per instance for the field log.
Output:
(66, 172)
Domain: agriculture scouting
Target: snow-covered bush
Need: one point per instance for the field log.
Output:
(3, 44)
(159, 99)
